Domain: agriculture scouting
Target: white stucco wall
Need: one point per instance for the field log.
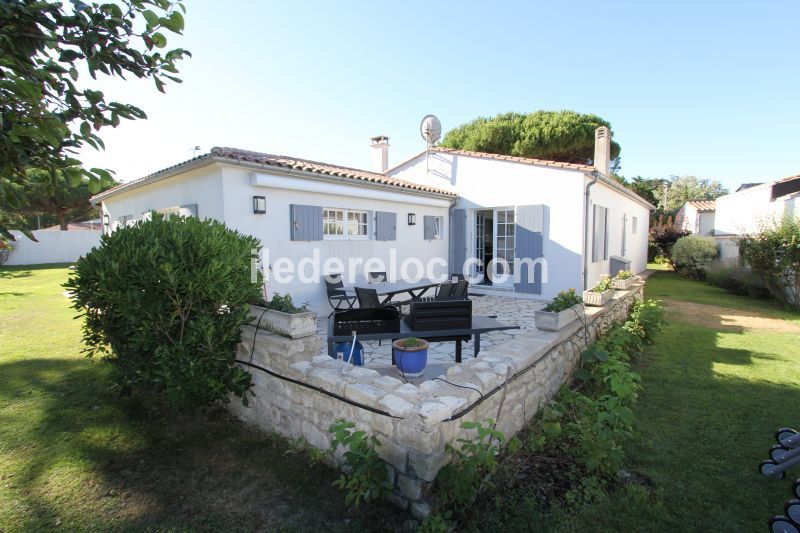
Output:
(488, 183)
(706, 223)
(273, 228)
(52, 247)
(742, 212)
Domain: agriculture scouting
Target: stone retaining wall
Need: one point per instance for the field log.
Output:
(418, 421)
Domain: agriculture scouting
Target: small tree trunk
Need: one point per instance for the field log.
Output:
(62, 220)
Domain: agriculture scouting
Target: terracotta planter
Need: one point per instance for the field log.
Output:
(623, 284)
(410, 361)
(551, 321)
(597, 299)
(292, 325)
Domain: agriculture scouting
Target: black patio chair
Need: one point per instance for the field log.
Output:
(445, 291)
(460, 290)
(376, 277)
(337, 298)
(455, 276)
(368, 298)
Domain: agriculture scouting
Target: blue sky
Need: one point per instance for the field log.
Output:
(707, 88)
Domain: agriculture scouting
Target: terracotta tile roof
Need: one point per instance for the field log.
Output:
(279, 161)
(515, 159)
(703, 205)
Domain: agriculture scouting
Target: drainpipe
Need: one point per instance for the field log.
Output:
(596, 177)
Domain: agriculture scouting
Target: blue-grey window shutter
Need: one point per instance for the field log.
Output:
(600, 233)
(529, 244)
(458, 236)
(624, 233)
(605, 233)
(430, 227)
(306, 222)
(192, 208)
(385, 226)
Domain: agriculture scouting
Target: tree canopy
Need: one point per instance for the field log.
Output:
(679, 190)
(565, 136)
(45, 116)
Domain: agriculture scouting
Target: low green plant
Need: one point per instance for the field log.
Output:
(564, 300)
(774, 255)
(412, 342)
(436, 523)
(623, 275)
(163, 302)
(471, 466)
(605, 284)
(281, 303)
(365, 478)
(736, 277)
(692, 255)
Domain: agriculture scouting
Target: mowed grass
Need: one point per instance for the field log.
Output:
(74, 457)
(712, 399)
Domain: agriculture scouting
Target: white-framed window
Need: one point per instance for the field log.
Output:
(344, 224)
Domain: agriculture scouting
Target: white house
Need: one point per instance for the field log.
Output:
(743, 211)
(567, 223)
(697, 217)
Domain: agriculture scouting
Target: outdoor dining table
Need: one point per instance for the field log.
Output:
(388, 290)
(480, 325)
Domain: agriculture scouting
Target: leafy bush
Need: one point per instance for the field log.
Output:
(664, 233)
(564, 300)
(365, 479)
(471, 467)
(605, 284)
(623, 275)
(281, 303)
(736, 277)
(164, 301)
(774, 255)
(691, 255)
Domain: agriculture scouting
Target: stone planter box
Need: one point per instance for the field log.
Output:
(292, 325)
(597, 299)
(623, 284)
(550, 321)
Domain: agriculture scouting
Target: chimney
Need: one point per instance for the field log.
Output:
(380, 153)
(602, 149)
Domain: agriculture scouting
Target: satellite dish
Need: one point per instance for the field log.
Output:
(431, 129)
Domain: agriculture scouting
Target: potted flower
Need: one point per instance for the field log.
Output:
(623, 280)
(281, 316)
(563, 310)
(600, 293)
(410, 356)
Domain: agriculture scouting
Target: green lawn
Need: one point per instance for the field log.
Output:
(74, 457)
(712, 399)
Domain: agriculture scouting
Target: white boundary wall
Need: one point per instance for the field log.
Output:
(53, 247)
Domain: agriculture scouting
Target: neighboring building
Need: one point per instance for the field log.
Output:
(743, 211)
(697, 217)
(441, 207)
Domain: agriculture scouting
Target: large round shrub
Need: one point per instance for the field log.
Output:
(774, 254)
(691, 255)
(164, 301)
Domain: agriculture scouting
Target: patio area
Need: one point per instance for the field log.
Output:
(507, 309)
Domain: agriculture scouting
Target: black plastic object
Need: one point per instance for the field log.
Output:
(429, 315)
(363, 321)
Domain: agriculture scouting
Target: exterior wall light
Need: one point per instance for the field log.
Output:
(106, 220)
(412, 219)
(259, 205)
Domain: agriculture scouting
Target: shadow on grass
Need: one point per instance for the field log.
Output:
(89, 460)
(26, 271)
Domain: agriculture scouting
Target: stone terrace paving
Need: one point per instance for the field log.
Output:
(509, 310)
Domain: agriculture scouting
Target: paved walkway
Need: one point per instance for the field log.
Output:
(513, 311)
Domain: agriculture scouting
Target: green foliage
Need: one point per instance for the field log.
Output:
(164, 301)
(283, 303)
(692, 254)
(412, 342)
(564, 300)
(595, 419)
(52, 193)
(774, 255)
(605, 284)
(663, 235)
(736, 277)
(623, 275)
(681, 189)
(365, 479)
(553, 135)
(45, 116)
(470, 468)
(436, 523)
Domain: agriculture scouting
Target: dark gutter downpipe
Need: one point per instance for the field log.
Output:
(586, 197)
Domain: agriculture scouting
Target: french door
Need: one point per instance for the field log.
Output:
(504, 237)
